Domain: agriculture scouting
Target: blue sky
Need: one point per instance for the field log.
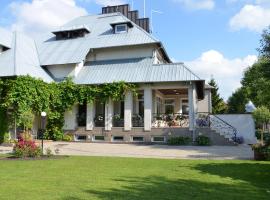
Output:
(213, 37)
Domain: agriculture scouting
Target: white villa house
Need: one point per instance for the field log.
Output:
(109, 47)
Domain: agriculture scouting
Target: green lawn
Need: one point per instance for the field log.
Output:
(76, 178)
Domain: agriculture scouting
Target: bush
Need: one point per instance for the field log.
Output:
(68, 138)
(202, 140)
(48, 152)
(266, 136)
(179, 141)
(262, 152)
(26, 147)
(5, 138)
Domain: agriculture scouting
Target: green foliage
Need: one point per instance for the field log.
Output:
(262, 115)
(3, 125)
(202, 140)
(218, 104)
(256, 82)
(237, 102)
(179, 140)
(26, 120)
(26, 95)
(67, 138)
(264, 49)
(48, 152)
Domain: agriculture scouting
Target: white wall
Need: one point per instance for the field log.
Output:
(62, 71)
(120, 53)
(71, 118)
(205, 104)
(244, 124)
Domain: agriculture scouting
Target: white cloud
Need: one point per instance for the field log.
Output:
(227, 72)
(42, 15)
(197, 4)
(252, 17)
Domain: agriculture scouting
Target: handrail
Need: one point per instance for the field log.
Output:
(209, 122)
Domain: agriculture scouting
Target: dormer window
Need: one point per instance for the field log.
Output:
(71, 32)
(121, 28)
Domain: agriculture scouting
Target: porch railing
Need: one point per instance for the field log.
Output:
(137, 120)
(216, 123)
(118, 121)
(99, 121)
(170, 120)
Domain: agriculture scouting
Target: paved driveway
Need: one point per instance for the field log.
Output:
(149, 151)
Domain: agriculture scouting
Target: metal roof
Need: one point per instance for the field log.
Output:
(22, 59)
(72, 28)
(137, 70)
(52, 51)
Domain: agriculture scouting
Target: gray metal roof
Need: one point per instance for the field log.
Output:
(52, 51)
(72, 28)
(22, 59)
(137, 70)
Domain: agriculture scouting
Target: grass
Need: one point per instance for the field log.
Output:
(76, 178)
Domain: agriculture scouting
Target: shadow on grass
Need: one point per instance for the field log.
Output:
(256, 174)
(236, 181)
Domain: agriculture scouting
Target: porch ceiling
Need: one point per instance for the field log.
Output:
(174, 91)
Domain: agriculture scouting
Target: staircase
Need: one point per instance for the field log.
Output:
(216, 127)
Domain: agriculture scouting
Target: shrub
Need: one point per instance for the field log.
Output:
(68, 138)
(262, 152)
(266, 136)
(48, 152)
(202, 140)
(5, 138)
(26, 147)
(179, 141)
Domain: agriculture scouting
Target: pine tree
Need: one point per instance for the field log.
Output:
(218, 104)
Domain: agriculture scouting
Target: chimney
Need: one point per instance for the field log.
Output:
(133, 15)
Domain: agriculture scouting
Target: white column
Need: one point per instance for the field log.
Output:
(90, 113)
(108, 115)
(191, 108)
(180, 105)
(148, 109)
(128, 111)
(192, 99)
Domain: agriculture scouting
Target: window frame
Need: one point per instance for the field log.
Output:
(119, 25)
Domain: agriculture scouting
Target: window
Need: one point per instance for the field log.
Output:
(169, 106)
(158, 139)
(121, 28)
(99, 138)
(138, 139)
(81, 137)
(118, 138)
(159, 105)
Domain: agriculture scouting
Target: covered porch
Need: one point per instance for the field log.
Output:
(154, 106)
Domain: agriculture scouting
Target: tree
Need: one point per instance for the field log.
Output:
(262, 118)
(237, 102)
(218, 104)
(264, 49)
(256, 82)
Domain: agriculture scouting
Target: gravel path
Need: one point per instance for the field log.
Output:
(147, 151)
